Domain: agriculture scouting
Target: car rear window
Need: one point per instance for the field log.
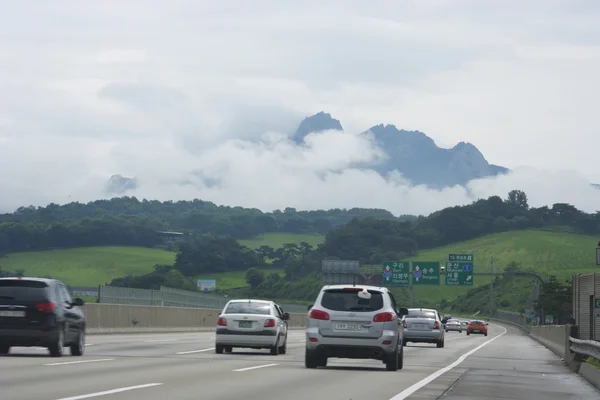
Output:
(420, 314)
(248, 307)
(348, 300)
(22, 289)
(476, 322)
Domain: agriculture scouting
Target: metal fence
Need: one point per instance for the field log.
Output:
(170, 297)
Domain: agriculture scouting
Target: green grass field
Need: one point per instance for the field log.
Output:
(91, 266)
(547, 253)
(87, 266)
(277, 240)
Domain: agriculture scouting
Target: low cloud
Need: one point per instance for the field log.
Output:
(270, 173)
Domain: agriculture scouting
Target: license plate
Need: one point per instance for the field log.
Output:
(476, 330)
(348, 327)
(12, 313)
(245, 324)
(421, 326)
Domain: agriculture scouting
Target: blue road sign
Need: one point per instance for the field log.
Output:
(468, 268)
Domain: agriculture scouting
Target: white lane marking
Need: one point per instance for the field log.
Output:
(195, 351)
(81, 362)
(89, 344)
(160, 340)
(407, 392)
(113, 391)
(256, 367)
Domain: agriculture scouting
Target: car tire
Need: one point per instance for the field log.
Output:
(228, 349)
(440, 344)
(4, 349)
(459, 331)
(446, 330)
(485, 334)
(57, 348)
(322, 361)
(78, 348)
(391, 363)
(404, 343)
(310, 360)
(219, 349)
(468, 333)
(274, 350)
(401, 358)
(283, 348)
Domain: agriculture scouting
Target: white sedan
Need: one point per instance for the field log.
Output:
(454, 325)
(253, 324)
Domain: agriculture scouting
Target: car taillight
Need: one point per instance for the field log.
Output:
(318, 314)
(404, 324)
(222, 321)
(384, 317)
(436, 325)
(46, 307)
(270, 323)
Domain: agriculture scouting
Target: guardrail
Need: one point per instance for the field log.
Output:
(581, 348)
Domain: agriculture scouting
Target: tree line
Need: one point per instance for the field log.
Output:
(373, 240)
(129, 221)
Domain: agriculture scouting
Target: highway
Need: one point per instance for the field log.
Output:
(504, 365)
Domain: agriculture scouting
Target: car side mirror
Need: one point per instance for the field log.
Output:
(402, 311)
(310, 306)
(78, 302)
(286, 316)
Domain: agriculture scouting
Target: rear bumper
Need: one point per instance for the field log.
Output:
(423, 336)
(262, 339)
(348, 347)
(454, 328)
(27, 337)
(482, 331)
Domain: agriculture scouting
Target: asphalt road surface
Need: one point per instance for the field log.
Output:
(504, 365)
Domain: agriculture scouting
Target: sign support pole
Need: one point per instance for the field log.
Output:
(491, 286)
(412, 296)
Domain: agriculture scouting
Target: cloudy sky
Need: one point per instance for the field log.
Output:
(156, 89)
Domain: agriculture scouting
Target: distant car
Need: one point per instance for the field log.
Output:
(454, 325)
(253, 324)
(423, 325)
(360, 322)
(477, 326)
(40, 312)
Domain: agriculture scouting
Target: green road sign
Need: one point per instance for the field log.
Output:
(395, 273)
(596, 303)
(459, 273)
(461, 257)
(426, 272)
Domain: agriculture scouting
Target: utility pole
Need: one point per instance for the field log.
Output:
(491, 286)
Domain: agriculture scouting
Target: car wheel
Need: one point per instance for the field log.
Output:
(310, 360)
(283, 348)
(57, 348)
(392, 361)
(228, 349)
(485, 334)
(275, 349)
(468, 333)
(219, 349)
(401, 358)
(78, 347)
(440, 344)
(404, 343)
(4, 349)
(459, 331)
(322, 361)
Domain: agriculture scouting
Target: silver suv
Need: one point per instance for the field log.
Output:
(355, 321)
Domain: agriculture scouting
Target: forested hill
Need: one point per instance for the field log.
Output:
(129, 221)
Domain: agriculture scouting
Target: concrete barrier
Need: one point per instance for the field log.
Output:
(554, 337)
(120, 318)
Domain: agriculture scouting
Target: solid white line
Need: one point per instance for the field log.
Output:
(119, 390)
(160, 340)
(403, 395)
(81, 362)
(195, 351)
(257, 367)
(89, 344)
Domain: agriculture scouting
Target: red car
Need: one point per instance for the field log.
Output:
(477, 326)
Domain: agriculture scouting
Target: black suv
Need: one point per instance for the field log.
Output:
(40, 312)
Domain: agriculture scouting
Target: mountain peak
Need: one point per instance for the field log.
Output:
(318, 122)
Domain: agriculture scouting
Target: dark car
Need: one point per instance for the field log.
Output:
(40, 312)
